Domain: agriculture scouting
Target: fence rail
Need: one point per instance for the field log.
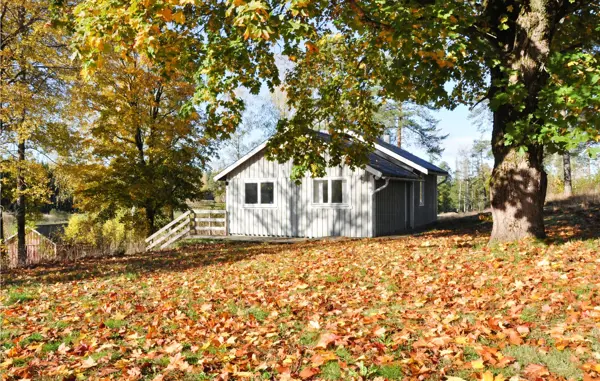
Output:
(193, 223)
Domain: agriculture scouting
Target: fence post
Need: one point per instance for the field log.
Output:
(193, 222)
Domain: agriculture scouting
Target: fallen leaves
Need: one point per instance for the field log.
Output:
(326, 339)
(437, 305)
(88, 363)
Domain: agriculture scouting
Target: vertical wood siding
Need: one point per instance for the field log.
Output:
(294, 215)
(426, 214)
(390, 208)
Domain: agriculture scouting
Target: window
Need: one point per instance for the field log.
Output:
(337, 191)
(320, 192)
(259, 193)
(330, 191)
(267, 194)
(251, 193)
(421, 193)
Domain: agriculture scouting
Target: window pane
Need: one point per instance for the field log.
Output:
(320, 191)
(267, 193)
(421, 193)
(338, 191)
(251, 193)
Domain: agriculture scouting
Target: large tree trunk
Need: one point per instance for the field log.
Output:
(519, 182)
(21, 233)
(568, 191)
(518, 190)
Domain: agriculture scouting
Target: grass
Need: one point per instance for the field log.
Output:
(390, 372)
(309, 338)
(331, 371)
(258, 313)
(558, 362)
(419, 306)
(19, 297)
(115, 323)
(33, 338)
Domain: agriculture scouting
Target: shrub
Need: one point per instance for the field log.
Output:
(115, 235)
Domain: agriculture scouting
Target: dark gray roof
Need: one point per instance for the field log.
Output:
(383, 165)
(409, 156)
(389, 169)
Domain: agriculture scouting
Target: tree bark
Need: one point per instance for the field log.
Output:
(21, 210)
(518, 190)
(519, 182)
(151, 219)
(568, 191)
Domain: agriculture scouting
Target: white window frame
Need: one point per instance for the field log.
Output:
(421, 193)
(259, 205)
(344, 205)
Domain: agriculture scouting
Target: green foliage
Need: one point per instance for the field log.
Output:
(445, 201)
(82, 229)
(215, 188)
(115, 235)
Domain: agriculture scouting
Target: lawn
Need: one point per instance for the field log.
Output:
(438, 305)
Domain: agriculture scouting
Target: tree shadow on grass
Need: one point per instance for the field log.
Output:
(174, 260)
(575, 218)
(569, 220)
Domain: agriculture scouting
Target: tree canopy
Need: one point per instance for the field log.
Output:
(536, 62)
(137, 151)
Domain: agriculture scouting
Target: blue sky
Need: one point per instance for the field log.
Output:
(461, 133)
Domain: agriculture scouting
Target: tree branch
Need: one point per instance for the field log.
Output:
(367, 18)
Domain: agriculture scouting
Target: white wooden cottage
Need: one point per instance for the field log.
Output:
(395, 193)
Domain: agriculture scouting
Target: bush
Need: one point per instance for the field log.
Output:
(117, 235)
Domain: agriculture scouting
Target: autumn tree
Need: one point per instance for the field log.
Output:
(141, 150)
(33, 66)
(531, 59)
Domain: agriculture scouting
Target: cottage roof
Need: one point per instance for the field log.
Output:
(410, 157)
(387, 160)
(390, 169)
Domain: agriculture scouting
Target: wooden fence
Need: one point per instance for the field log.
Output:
(38, 253)
(191, 224)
